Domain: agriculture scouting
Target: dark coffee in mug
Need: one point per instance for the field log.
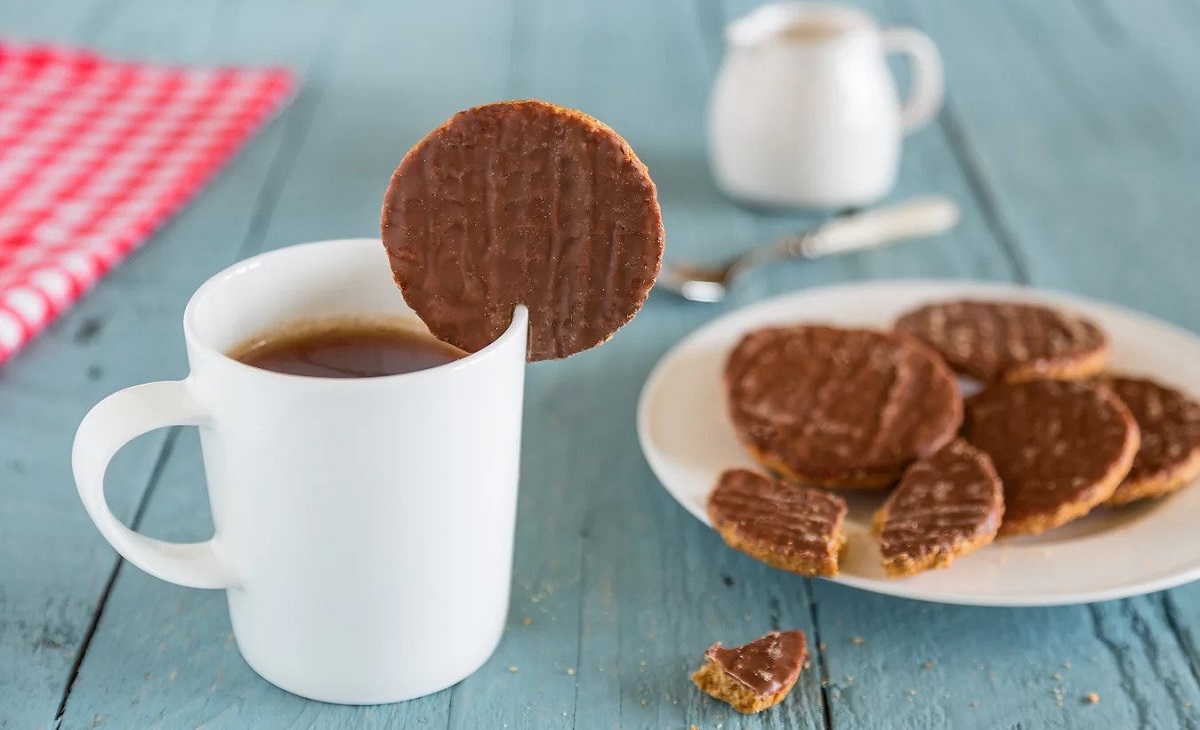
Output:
(345, 348)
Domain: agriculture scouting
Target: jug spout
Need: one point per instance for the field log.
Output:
(797, 24)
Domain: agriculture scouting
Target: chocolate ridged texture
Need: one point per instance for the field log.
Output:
(784, 519)
(995, 340)
(764, 666)
(1169, 422)
(523, 203)
(947, 500)
(1053, 442)
(832, 404)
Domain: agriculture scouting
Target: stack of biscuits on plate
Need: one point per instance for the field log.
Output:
(1048, 437)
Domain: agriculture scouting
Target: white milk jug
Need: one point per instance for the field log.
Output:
(804, 111)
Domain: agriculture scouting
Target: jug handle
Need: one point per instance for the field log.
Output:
(925, 98)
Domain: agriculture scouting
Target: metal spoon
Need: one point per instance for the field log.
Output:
(926, 216)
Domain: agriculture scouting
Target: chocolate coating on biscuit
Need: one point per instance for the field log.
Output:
(840, 406)
(790, 527)
(1005, 341)
(1169, 422)
(943, 503)
(1059, 447)
(523, 203)
(766, 665)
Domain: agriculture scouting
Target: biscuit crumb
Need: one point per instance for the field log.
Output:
(645, 703)
(526, 621)
(1094, 698)
(912, 693)
(974, 703)
(1066, 665)
(1057, 676)
(570, 671)
(928, 664)
(821, 646)
(857, 640)
(513, 668)
(849, 678)
(693, 727)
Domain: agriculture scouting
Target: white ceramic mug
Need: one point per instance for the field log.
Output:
(804, 111)
(363, 527)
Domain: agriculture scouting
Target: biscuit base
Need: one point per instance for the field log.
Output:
(856, 480)
(1159, 484)
(713, 681)
(1100, 493)
(825, 567)
(1078, 367)
(903, 566)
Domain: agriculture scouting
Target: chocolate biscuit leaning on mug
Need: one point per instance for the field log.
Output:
(523, 202)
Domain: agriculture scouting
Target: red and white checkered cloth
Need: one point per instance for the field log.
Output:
(95, 154)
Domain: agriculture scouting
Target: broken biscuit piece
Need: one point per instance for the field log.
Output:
(754, 676)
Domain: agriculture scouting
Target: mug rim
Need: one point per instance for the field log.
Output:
(520, 319)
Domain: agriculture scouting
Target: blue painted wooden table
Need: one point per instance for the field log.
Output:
(1069, 137)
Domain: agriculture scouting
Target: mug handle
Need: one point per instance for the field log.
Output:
(925, 98)
(111, 424)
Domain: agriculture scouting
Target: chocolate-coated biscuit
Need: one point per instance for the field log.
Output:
(839, 407)
(794, 528)
(1007, 341)
(1061, 447)
(754, 676)
(523, 202)
(1169, 421)
(945, 505)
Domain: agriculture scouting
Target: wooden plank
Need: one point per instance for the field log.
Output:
(1139, 210)
(1088, 142)
(57, 567)
(594, 571)
(161, 649)
(991, 668)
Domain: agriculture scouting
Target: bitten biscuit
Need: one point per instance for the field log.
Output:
(1060, 447)
(945, 506)
(839, 407)
(794, 528)
(755, 676)
(523, 202)
(1169, 457)
(1009, 342)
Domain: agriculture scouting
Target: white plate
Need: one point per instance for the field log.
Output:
(688, 442)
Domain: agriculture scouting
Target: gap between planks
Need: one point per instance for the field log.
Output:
(710, 22)
(156, 473)
(971, 167)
